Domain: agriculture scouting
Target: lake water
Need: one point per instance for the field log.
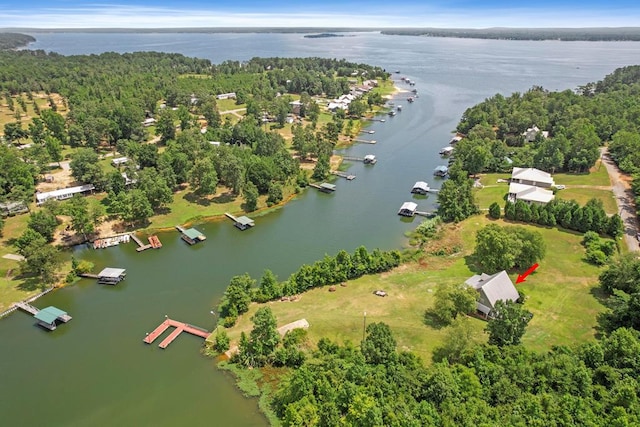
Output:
(96, 370)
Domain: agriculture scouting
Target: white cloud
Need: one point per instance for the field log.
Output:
(119, 16)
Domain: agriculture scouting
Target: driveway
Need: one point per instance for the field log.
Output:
(625, 200)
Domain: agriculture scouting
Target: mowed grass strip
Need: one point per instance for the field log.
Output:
(562, 295)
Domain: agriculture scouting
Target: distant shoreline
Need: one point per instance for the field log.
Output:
(537, 34)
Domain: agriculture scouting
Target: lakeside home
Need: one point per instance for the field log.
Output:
(64, 193)
(494, 288)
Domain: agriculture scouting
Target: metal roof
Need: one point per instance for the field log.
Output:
(49, 314)
(244, 220)
(410, 206)
(41, 197)
(421, 185)
(328, 186)
(192, 233)
(112, 272)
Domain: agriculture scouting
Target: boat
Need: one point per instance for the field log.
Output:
(399, 107)
(392, 113)
(410, 99)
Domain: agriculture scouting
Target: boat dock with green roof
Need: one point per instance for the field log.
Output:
(241, 222)
(191, 235)
(47, 317)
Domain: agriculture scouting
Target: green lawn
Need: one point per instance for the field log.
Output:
(583, 195)
(597, 177)
(560, 294)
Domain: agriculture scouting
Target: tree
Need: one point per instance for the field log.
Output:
(503, 248)
(41, 260)
(508, 324)
(44, 222)
(13, 132)
(84, 166)
(494, 210)
(321, 169)
(202, 177)
(379, 345)
(451, 300)
(264, 337)
(238, 295)
(623, 274)
(165, 127)
(456, 200)
(251, 195)
(275, 194)
(615, 227)
(154, 187)
(269, 287)
(81, 221)
(137, 207)
(458, 343)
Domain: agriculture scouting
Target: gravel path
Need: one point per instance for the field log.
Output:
(624, 199)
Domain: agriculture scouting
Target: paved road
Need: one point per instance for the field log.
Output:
(624, 199)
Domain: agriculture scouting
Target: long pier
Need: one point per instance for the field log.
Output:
(180, 328)
(365, 141)
(141, 246)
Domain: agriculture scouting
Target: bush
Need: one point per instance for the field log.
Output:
(494, 210)
(229, 321)
(221, 343)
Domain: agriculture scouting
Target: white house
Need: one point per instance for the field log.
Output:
(64, 193)
(230, 95)
(531, 133)
(494, 288)
(529, 194)
(532, 176)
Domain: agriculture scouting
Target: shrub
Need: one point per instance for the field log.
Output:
(494, 210)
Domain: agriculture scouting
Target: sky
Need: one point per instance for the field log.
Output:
(319, 13)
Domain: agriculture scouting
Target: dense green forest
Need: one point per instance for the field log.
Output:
(14, 40)
(564, 34)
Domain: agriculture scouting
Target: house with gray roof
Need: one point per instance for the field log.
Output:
(491, 289)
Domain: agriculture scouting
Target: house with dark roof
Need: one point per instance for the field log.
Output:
(491, 289)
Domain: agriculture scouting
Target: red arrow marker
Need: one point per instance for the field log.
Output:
(524, 275)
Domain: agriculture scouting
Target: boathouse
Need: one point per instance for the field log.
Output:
(244, 222)
(441, 171)
(446, 151)
(408, 209)
(370, 159)
(111, 276)
(192, 236)
(420, 187)
(47, 317)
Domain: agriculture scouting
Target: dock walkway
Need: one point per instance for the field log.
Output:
(345, 175)
(180, 327)
(27, 307)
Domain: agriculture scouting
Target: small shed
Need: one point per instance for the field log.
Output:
(13, 208)
(408, 209)
(119, 161)
(441, 171)
(47, 317)
(111, 276)
(420, 187)
(244, 222)
(370, 159)
(192, 236)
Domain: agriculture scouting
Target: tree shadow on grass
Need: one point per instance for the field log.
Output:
(29, 283)
(223, 198)
(432, 320)
(197, 199)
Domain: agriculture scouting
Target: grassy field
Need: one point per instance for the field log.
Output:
(561, 294)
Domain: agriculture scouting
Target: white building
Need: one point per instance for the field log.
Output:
(64, 193)
(531, 186)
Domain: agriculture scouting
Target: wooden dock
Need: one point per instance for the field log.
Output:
(324, 187)
(180, 328)
(369, 131)
(242, 222)
(347, 176)
(154, 241)
(89, 275)
(141, 246)
(426, 214)
(27, 307)
(365, 141)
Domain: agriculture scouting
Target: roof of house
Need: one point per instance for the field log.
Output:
(112, 272)
(63, 191)
(530, 193)
(496, 287)
(532, 174)
(410, 206)
(49, 314)
(192, 233)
